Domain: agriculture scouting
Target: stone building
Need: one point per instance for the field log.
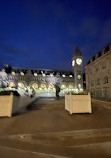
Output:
(46, 79)
(98, 74)
(41, 78)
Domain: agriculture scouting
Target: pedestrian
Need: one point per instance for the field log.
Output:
(57, 91)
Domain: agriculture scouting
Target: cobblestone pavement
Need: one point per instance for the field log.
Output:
(46, 130)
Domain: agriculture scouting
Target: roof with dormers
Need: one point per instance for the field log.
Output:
(40, 71)
(100, 53)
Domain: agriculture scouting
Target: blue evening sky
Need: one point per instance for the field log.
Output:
(44, 33)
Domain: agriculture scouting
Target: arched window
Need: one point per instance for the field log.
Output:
(51, 86)
(63, 86)
(34, 85)
(106, 79)
(11, 84)
(20, 85)
(71, 86)
(43, 85)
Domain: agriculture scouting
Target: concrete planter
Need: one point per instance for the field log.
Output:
(78, 103)
(10, 104)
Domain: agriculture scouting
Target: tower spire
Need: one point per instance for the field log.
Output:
(77, 52)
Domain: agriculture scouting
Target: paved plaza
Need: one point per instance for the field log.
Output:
(46, 130)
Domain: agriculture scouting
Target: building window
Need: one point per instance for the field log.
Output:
(63, 86)
(34, 85)
(103, 65)
(11, 84)
(106, 79)
(51, 86)
(71, 86)
(98, 81)
(21, 85)
(43, 85)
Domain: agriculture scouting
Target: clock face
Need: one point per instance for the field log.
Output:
(73, 62)
(79, 61)
(79, 77)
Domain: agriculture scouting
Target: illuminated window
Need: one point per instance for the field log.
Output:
(20, 85)
(34, 85)
(13, 73)
(22, 73)
(71, 86)
(63, 86)
(11, 84)
(43, 85)
(51, 86)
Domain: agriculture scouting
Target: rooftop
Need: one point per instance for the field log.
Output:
(100, 53)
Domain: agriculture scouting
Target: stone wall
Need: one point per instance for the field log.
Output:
(98, 76)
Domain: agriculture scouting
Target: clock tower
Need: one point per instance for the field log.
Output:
(77, 66)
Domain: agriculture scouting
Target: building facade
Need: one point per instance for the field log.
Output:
(98, 74)
(45, 79)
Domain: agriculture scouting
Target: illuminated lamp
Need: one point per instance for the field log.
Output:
(43, 74)
(63, 75)
(13, 73)
(22, 73)
(35, 74)
(70, 75)
(51, 75)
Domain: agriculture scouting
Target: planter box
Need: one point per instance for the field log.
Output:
(78, 103)
(6, 102)
(10, 104)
